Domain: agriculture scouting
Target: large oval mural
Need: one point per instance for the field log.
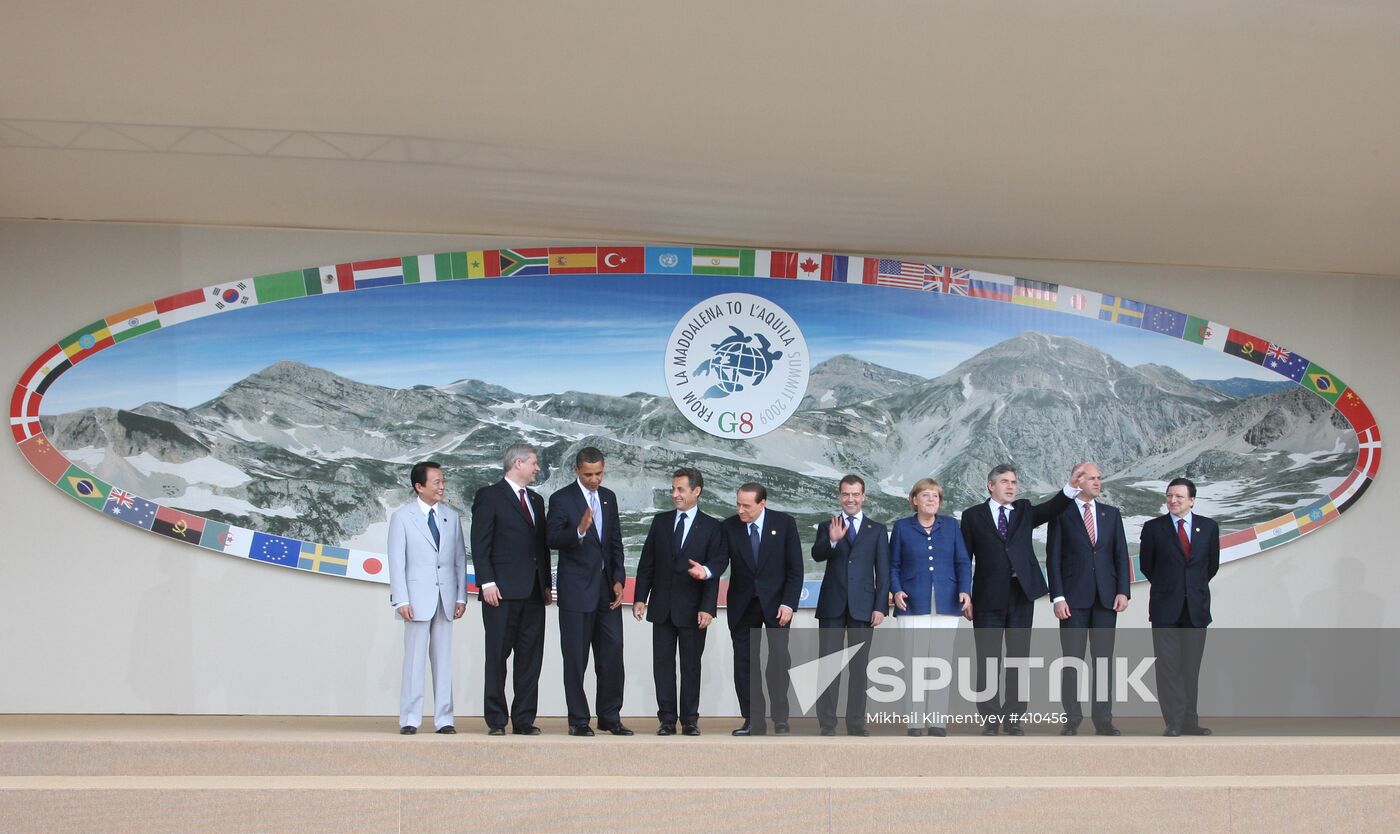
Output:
(275, 418)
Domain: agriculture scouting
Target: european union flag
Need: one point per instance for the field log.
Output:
(668, 260)
(275, 550)
(1162, 320)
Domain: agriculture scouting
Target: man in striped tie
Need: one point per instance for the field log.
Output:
(1086, 565)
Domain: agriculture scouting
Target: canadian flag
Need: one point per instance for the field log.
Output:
(813, 266)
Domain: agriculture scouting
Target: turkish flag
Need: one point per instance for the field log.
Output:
(629, 259)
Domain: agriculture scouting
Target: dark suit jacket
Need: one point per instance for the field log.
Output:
(585, 564)
(777, 580)
(1175, 581)
(663, 574)
(1081, 571)
(994, 560)
(857, 578)
(506, 548)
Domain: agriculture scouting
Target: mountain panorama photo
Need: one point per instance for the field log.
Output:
(299, 451)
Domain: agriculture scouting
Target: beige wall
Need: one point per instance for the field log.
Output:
(99, 618)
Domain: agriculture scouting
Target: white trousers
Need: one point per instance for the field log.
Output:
(929, 635)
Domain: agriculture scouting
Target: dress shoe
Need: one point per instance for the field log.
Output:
(914, 731)
(528, 730)
(781, 729)
(585, 730)
(496, 731)
(666, 730)
(1171, 732)
(746, 730)
(1069, 730)
(991, 729)
(407, 731)
(828, 731)
(1195, 731)
(449, 730)
(857, 731)
(690, 730)
(1014, 729)
(618, 729)
(1107, 730)
(937, 732)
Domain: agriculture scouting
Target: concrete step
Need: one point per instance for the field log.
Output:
(455, 804)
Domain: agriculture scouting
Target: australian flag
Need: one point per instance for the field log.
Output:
(1285, 362)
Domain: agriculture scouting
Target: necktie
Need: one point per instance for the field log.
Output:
(754, 542)
(851, 529)
(525, 507)
(1001, 522)
(597, 514)
(1181, 534)
(1089, 525)
(678, 538)
(432, 526)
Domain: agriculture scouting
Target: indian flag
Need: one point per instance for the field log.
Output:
(128, 324)
(1282, 529)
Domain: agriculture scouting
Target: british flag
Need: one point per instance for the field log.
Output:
(121, 498)
(947, 279)
(1278, 352)
(892, 273)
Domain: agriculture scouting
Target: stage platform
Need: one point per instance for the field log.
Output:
(346, 775)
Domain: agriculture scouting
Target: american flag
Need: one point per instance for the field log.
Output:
(947, 279)
(892, 273)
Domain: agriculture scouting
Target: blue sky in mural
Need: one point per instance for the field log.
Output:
(586, 333)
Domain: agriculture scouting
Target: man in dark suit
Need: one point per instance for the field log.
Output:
(1179, 555)
(854, 597)
(1086, 562)
(583, 526)
(679, 606)
(1006, 582)
(763, 547)
(511, 560)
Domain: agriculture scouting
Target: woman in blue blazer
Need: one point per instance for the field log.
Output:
(931, 578)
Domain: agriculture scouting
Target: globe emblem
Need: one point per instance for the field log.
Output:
(737, 362)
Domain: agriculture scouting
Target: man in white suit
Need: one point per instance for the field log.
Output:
(427, 578)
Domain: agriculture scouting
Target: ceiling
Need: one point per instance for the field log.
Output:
(1249, 134)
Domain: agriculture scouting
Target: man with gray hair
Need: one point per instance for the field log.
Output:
(1006, 582)
(512, 566)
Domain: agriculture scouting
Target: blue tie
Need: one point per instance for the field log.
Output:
(678, 538)
(754, 542)
(1001, 522)
(432, 525)
(851, 529)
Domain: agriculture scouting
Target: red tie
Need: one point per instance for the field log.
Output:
(525, 507)
(1089, 525)
(1181, 534)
